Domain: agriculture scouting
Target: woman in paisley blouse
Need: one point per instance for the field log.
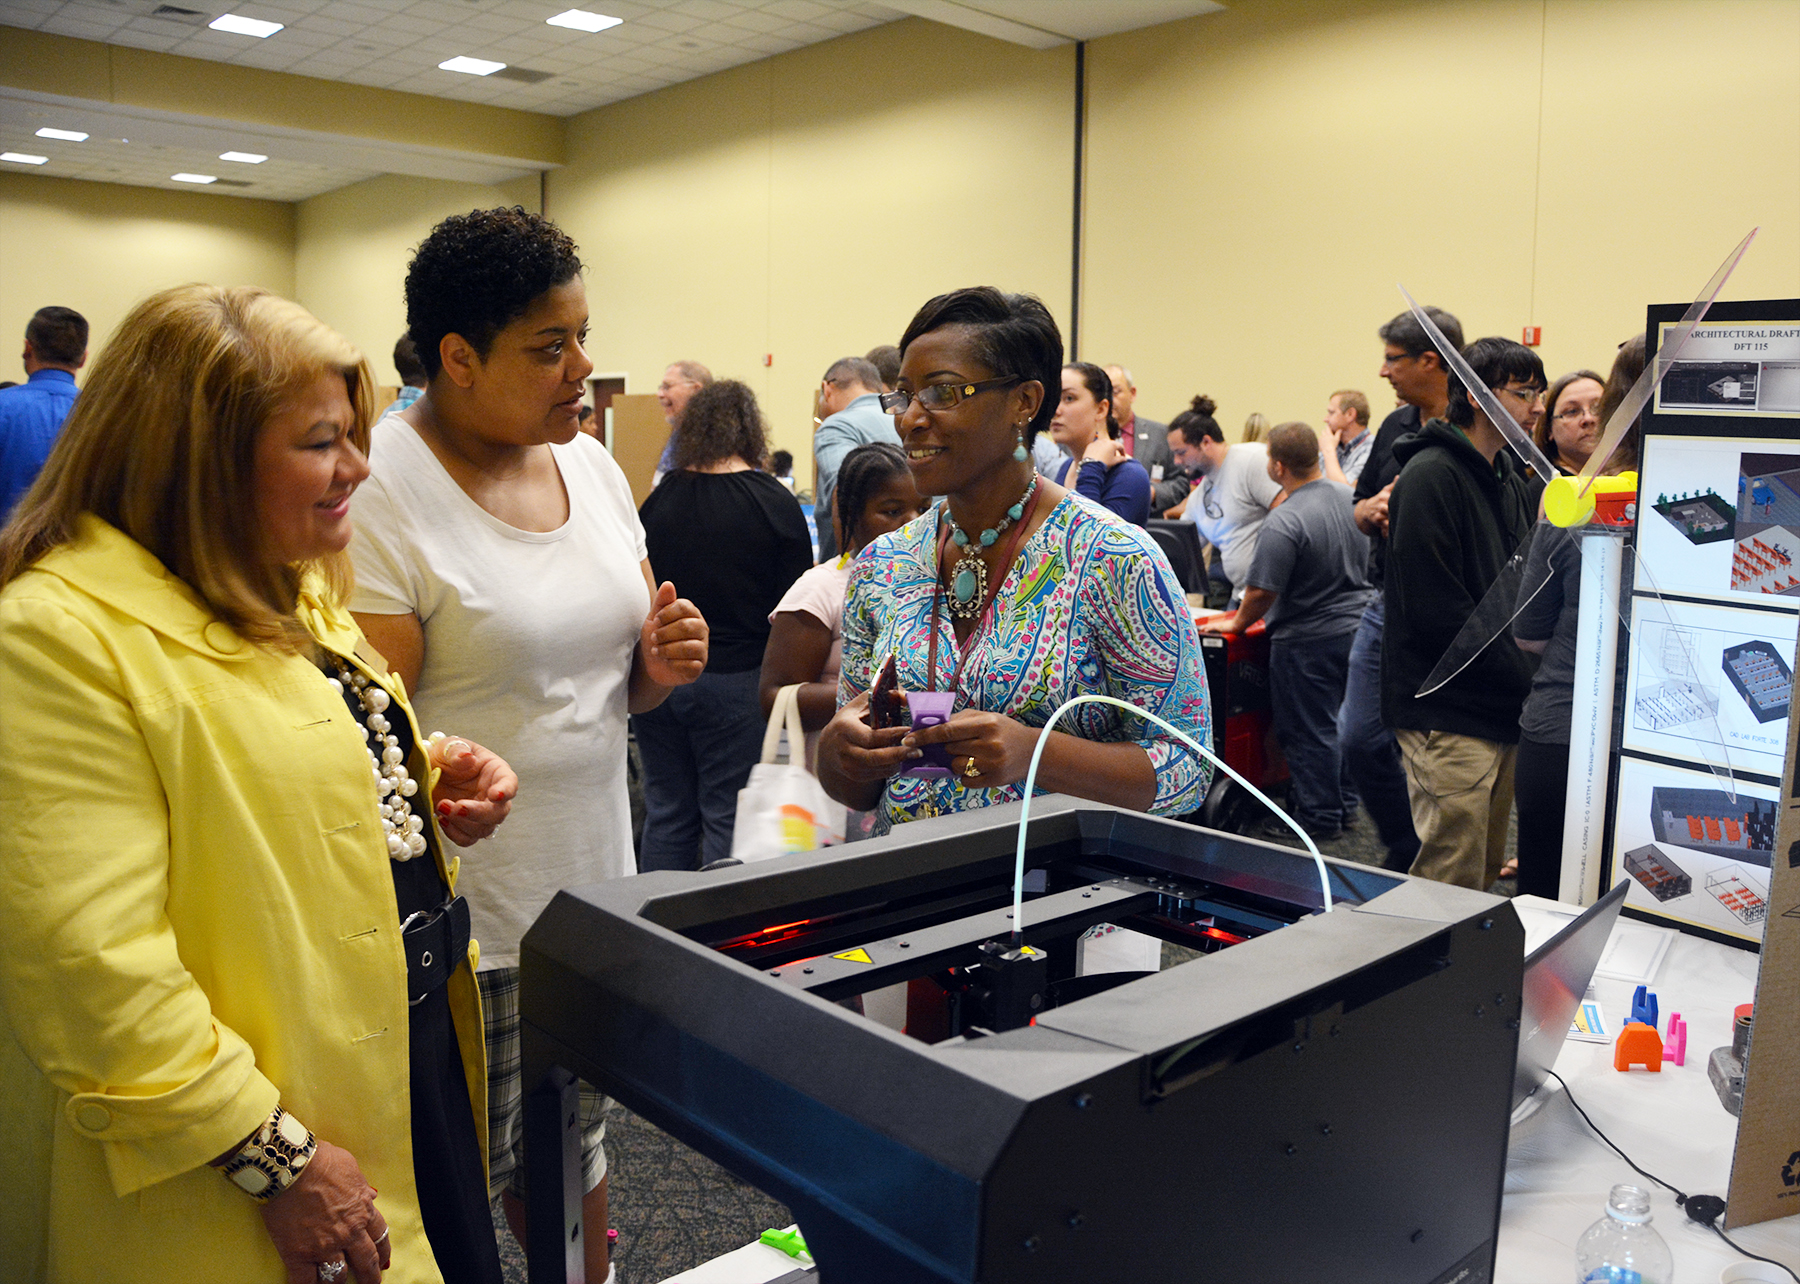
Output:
(1014, 593)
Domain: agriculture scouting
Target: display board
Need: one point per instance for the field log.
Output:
(1712, 612)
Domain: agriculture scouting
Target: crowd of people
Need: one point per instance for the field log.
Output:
(243, 973)
(1364, 554)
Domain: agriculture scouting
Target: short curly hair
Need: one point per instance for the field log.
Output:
(475, 274)
(722, 421)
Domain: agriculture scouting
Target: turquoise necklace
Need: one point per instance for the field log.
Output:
(969, 574)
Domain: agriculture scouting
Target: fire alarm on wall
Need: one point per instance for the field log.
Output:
(1534, 335)
(768, 358)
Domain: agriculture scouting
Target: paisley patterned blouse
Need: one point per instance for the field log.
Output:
(1089, 606)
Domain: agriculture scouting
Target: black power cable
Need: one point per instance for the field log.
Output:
(1704, 1209)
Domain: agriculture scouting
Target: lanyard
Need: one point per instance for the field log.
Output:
(987, 610)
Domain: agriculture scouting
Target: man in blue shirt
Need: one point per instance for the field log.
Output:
(850, 416)
(32, 413)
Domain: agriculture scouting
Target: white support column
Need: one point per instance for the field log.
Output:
(1590, 726)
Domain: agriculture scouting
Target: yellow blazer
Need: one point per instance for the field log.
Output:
(197, 919)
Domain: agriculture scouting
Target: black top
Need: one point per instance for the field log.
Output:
(1550, 613)
(1378, 470)
(448, 1173)
(1453, 522)
(732, 544)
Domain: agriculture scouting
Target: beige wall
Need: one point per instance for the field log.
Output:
(1261, 179)
(806, 205)
(351, 248)
(100, 248)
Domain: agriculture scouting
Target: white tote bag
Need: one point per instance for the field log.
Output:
(784, 808)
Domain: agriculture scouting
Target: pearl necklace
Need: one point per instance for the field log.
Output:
(969, 574)
(393, 785)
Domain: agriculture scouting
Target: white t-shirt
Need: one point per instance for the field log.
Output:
(1229, 504)
(820, 594)
(528, 645)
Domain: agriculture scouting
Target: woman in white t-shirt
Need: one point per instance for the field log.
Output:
(501, 570)
(875, 495)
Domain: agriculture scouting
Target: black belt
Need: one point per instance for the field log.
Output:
(436, 943)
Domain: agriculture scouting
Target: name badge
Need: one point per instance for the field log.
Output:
(1155, 472)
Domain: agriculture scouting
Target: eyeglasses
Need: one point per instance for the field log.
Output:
(941, 396)
(1527, 395)
(1569, 414)
(1207, 502)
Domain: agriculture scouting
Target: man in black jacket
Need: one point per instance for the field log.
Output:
(1458, 512)
(1419, 375)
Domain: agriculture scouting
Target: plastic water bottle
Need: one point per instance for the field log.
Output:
(1621, 1248)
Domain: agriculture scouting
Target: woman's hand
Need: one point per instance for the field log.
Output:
(998, 747)
(855, 759)
(674, 640)
(328, 1215)
(474, 791)
(1103, 450)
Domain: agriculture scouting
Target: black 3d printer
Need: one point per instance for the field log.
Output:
(1320, 1096)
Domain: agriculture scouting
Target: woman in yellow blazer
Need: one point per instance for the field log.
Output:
(216, 1042)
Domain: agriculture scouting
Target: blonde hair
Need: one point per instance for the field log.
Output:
(161, 443)
(1256, 428)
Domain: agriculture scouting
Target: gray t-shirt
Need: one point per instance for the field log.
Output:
(1228, 506)
(1552, 613)
(1312, 557)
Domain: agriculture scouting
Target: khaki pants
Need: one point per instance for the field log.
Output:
(1461, 790)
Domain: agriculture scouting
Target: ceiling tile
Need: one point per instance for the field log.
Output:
(670, 21)
(331, 26)
(756, 20)
(136, 38)
(796, 10)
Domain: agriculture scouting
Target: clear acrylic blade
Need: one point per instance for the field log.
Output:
(1483, 396)
(1666, 355)
(1492, 617)
(1671, 667)
(1509, 594)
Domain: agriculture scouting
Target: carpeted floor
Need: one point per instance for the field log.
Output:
(675, 1209)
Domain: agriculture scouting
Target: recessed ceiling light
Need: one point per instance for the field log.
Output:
(243, 158)
(471, 66)
(582, 20)
(239, 26)
(24, 158)
(194, 178)
(67, 135)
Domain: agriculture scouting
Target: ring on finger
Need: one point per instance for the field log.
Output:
(970, 770)
(329, 1272)
(383, 1235)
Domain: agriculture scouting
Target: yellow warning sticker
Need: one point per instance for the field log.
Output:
(854, 956)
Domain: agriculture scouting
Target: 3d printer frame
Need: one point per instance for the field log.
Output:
(1320, 1096)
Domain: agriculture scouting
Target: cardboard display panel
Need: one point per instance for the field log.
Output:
(639, 433)
(1765, 1168)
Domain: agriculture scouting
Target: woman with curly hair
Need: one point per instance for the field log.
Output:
(736, 538)
(502, 571)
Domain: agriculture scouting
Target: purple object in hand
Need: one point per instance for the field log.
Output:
(930, 709)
